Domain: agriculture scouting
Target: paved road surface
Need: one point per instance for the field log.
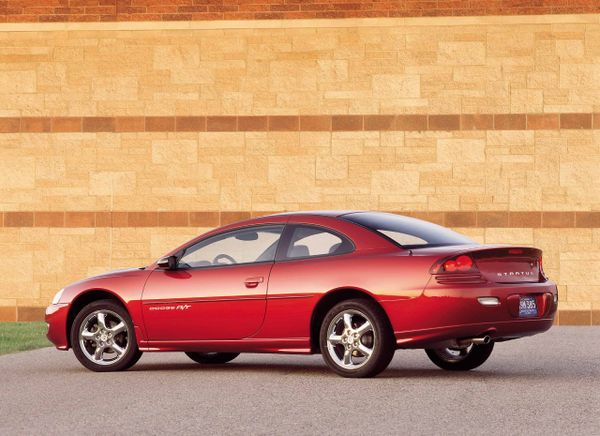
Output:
(547, 384)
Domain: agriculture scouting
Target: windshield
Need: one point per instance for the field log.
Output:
(407, 232)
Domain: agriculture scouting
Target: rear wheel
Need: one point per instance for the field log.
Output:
(460, 359)
(356, 340)
(103, 337)
(212, 358)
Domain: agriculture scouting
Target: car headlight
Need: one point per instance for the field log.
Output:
(57, 297)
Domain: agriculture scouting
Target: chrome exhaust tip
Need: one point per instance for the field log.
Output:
(484, 340)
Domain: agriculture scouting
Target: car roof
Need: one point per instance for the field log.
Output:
(353, 231)
(328, 213)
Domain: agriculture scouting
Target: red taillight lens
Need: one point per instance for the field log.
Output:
(449, 266)
(462, 263)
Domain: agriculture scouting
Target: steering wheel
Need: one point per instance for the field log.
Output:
(223, 256)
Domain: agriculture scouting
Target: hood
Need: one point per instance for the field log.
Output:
(116, 273)
(109, 274)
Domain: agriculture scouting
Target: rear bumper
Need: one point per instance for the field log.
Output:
(56, 318)
(443, 314)
(447, 335)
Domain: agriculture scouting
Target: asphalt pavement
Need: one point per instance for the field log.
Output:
(546, 384)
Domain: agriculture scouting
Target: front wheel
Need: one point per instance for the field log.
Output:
(356, 340)
(212, 358)
(103, 337)
(460, 359)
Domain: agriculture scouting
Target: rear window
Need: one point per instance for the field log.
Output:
(407, 232)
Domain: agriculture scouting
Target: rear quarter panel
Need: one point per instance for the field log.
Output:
(295, 287)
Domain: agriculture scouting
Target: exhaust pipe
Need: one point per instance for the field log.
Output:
(484, 340)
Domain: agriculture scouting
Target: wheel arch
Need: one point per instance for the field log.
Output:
(329, 300)
(83, 299)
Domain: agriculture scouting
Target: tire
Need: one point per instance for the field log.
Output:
(106, 324)
(356, 340)
(212, 358)
(453, 359)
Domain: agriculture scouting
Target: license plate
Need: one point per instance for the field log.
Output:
(527, 307)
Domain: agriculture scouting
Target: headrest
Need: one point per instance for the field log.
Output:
(335, 247)
(299, 251)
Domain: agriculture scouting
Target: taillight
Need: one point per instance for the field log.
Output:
(458, 264)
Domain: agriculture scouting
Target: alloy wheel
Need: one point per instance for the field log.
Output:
(104, 337)
(454, 354)
(351, 339)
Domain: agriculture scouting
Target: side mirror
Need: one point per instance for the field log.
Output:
(169, 262)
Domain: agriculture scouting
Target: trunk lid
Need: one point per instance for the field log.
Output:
(493, 263)
(509, 264)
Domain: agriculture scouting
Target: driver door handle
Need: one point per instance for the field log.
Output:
(252, 282)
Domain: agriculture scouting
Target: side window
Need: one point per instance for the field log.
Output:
(256, 244)
(314, 241)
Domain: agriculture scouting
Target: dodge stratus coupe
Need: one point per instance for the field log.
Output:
(353, 286)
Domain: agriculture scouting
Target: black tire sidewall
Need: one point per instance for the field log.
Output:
(384, 343)
(132, 355)
(211, 358)
(476, 357)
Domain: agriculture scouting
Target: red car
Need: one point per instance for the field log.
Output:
(353, 286)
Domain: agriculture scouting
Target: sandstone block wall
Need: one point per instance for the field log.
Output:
(119, 141)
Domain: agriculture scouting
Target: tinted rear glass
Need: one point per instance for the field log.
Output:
(408, 232)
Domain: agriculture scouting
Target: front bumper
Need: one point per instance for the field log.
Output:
(443, 314)
(56, 318)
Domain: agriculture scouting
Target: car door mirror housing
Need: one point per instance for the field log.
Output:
(169, 262)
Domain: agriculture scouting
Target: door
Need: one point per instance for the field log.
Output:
(218, 289)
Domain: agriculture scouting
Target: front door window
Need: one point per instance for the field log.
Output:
(252, 245)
